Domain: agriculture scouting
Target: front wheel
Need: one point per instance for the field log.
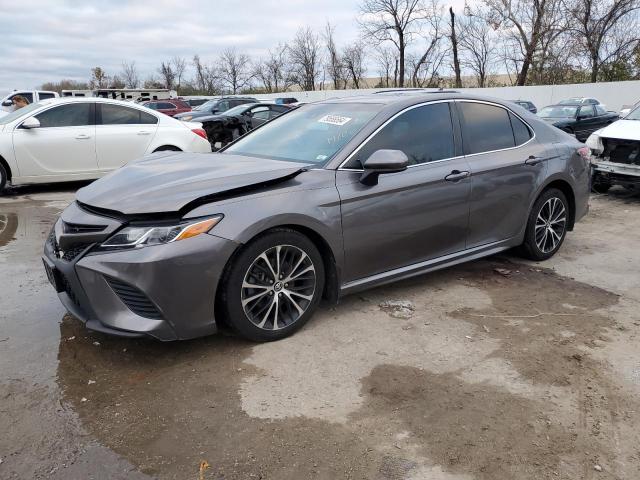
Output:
(546, 225)
(3, 178)
(273, 286)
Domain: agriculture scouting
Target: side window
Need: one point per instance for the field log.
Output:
(27, 95)
(44, 95)
(71, 115)
(486, 127)
(600, 110)
(166, 106)
(152, 105)
(424, 134)
(119, 115)
(223, 106)
(521, 132)
(586, 111)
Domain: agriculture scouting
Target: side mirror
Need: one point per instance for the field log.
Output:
(383, 161)
(7, 103)
(215, 110)
(31, 122)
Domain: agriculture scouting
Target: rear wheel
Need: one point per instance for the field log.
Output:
(273, 286)
(167, 148)
(546, 225)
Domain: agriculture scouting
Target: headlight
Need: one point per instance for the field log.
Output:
(142, 236)
(594, 142)
(187, 118)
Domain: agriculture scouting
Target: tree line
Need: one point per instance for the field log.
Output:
(419, 43)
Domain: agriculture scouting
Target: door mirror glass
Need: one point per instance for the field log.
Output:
(7, 103)
(31, 122)
(383, 161)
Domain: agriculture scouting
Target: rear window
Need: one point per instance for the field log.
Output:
(486, 127)
(521, 132)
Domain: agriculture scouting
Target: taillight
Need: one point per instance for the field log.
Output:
(585, 153)
(200, 132)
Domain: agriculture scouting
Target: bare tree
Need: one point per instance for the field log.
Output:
(454, 48)
(179, 66)
(606, 29)
(394, 21)
(353, 59)
(387, 64)
(433, 54)
(478, 47)
(304, 57)
(273, 71)
(116, 82)
(167, 75)
(523, 23)
(335, 67)
(235, 70)
(99, 78)
(130, 74)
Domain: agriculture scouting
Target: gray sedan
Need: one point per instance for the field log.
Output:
(327, 200)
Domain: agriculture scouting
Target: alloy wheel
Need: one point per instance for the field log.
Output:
(550, 225)
(278, 287)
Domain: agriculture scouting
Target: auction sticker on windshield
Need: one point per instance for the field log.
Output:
(334, 120)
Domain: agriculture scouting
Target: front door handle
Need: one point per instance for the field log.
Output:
(533, 160)
(456, 176)
(82, 136)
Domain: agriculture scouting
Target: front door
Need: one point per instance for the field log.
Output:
(63, 145)
(411, 216)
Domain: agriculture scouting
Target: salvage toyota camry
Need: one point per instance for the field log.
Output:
(326, 200)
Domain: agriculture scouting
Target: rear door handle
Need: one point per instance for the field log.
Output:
(533, 160)
(82, 136)
(456, 176)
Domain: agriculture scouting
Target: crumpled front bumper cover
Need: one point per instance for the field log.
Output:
(179, 279)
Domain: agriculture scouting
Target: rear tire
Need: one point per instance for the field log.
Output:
(546, 226)
(167, 148)
(272, 286)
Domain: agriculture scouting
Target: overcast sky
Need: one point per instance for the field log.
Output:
(48, 40)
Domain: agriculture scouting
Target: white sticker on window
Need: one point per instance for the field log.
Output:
(321, 157)
(334, 120)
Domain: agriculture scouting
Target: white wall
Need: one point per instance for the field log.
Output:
(613, 94)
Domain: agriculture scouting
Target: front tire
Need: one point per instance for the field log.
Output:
(3, 178)
(273, 286)
(546, 225)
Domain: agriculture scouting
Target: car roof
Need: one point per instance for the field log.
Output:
(572, 104)
(411, 97)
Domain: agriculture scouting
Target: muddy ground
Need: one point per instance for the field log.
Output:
(504, 370)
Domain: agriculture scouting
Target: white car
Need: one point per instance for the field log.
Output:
(67, 139)
(615, 154)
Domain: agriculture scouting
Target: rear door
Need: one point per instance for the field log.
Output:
(123, 134)
(507, 166)
(586, 122)
(65, 143)
(411, 216)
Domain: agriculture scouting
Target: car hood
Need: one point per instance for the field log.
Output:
(167, 182)
(623, 129)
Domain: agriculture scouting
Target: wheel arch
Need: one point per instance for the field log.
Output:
(566, 188)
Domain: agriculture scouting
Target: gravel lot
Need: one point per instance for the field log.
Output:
(502, 370)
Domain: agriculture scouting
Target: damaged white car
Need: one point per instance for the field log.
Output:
(615, 154)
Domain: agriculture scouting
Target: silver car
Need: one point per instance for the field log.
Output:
(329, 199)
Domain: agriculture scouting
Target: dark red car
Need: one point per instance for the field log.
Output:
(169, 107)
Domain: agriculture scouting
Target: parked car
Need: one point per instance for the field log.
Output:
(169, 107)
(576, 119)
(212, 107)
(616, 154)
(196, 102)
(527, 105)
(626, 109)
(225, 127)
(32, 96)
(285, 100)
(580, 101)
(329, 199)
(77, 138)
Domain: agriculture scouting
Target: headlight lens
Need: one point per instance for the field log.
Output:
(594, 142)
(186, 118)
(142, 236)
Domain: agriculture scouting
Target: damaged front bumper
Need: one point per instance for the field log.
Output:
(618, 164)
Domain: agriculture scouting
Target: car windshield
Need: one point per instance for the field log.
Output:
(206, 105)
(313, 133)
(633, 114)
(559, 111)
(18, 113)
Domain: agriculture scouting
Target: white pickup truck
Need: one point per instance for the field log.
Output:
(31, 95)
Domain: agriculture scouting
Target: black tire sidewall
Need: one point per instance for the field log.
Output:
(530, 247)
(230, 299)
(3, 178)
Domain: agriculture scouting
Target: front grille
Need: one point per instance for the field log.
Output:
(72, 253)
(135, 299)
(67, 288)
(77, 228)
